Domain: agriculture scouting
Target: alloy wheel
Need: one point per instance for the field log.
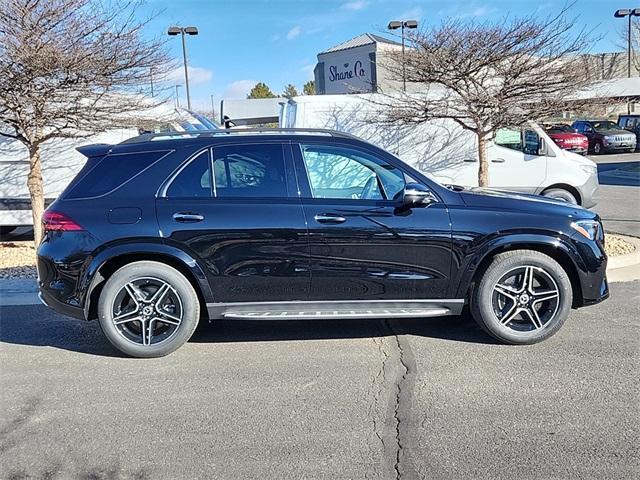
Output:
(147, 311)
(526, 299)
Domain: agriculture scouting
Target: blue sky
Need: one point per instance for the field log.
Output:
(276, 41)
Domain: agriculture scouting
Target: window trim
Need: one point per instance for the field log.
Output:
(306, 189)
(182, 167)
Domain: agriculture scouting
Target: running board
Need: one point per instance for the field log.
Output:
(322, 310)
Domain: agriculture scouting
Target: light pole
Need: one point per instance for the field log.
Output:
(182, 31)
(177, 96)
(628, 12)
(394, 25)
(213, 110)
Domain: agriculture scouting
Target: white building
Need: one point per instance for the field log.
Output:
(353, 66)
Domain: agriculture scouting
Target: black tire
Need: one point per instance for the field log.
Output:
(179, 305)
(597, 148)
(561, 194)
(522, 329)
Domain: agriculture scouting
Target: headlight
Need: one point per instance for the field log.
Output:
(590, 229)
(589, 169)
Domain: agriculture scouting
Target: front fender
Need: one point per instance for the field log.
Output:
(90, 277)
(477, 254)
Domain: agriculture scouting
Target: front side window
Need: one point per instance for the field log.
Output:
(524, 140)
(253, 170)
(344, 173)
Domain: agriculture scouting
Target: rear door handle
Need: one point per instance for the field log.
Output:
(329, 218)
(498, 160)
(186, 217)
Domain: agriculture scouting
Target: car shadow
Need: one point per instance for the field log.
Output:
(38, 326)
(619, 173)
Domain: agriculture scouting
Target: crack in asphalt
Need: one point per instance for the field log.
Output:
(397, 376)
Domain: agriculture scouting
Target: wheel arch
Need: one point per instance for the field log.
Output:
(107, 262)
(565, 186)
(559, 251)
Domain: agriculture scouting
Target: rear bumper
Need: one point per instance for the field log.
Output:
(50, 300)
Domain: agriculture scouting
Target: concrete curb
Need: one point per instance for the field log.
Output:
(625, 268)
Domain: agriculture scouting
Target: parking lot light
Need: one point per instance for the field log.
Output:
(394, 25)
(173, 31)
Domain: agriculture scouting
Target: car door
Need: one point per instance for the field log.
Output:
(363, 245)
(235, 208)
(515, 162)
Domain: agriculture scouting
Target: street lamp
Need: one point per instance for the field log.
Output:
(182, 31)
(177, 96)
(628, 12)
(213, 110)
(394, 25)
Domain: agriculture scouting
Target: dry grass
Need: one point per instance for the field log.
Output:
(17, 259)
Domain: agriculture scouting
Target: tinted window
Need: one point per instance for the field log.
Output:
(256, 170)
(112, 172)
(338, 172)
(194, 180)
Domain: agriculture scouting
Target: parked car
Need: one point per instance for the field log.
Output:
(631, 123)
(605, 136)
(566, 137)
(522, 160)
(160, 230)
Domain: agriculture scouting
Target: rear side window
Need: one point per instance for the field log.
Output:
(246, 171)
(194, 180)
(110, 173)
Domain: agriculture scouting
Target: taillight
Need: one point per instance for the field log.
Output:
(59, 222)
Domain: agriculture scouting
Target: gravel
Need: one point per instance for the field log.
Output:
(17, 259)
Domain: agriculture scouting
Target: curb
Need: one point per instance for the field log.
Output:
(625, 268)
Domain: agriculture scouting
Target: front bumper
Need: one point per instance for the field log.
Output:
(588, 191)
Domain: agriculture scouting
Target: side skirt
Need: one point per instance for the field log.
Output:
(301, 310)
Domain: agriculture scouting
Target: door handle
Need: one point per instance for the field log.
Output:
(498, 160)
(186, 217)
(328, 218)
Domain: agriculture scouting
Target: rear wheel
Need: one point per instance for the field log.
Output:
(523, 297)
(148, 309)
(561, 194)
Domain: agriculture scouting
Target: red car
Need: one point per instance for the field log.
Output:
(567, 138)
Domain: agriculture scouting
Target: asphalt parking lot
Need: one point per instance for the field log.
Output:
(430, 398)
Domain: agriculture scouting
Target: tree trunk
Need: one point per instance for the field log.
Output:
(36, 192)
(483, 162)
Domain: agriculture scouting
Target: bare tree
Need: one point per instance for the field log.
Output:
(71, 68)
(487, 76)
(604, 66)
(623, 44)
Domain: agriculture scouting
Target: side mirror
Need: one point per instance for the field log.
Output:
(417, 195)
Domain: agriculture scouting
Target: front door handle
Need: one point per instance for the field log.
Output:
(498, 160)
(329, 218)
(187, 217)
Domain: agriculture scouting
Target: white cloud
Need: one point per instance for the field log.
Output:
(238, 89)
(293, 33)
(308, 70)
(354, 5)
(197, 75)
(414, 13)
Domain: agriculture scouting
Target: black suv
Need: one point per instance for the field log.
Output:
(161, 230)
(605, 136)
(631, 123)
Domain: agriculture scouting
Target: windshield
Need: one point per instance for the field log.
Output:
(605, 125)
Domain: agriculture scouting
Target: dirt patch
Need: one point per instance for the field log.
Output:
(17, 260)
(616, 245)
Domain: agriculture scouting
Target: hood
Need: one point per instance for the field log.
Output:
(500, 199)
(615, 131)
(565, 135)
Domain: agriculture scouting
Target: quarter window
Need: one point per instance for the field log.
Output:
(343, 173)
(194, 180)
(249, 171)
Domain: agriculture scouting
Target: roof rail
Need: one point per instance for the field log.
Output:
(145, 137)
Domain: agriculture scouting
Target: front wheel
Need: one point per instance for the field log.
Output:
(148, 309)
(597, 148)
(523, 297)
(561, 194)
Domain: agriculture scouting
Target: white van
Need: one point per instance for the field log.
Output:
(61, 162)
(524, 160)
